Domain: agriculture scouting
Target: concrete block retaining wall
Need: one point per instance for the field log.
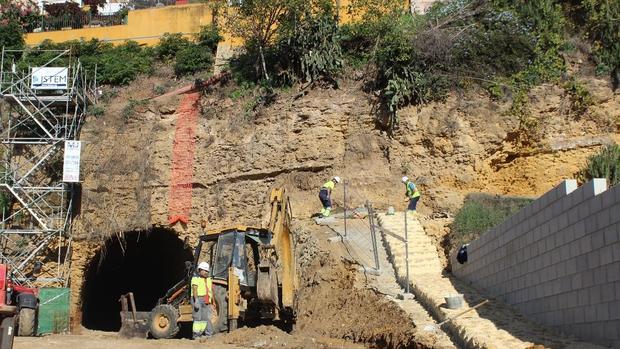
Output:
(557, 260)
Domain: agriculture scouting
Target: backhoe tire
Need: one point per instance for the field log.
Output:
(220, 315)
(27, 322)
(7, 332)
(163, 322)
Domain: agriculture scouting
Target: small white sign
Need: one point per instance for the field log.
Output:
(71, 166)
(49, 78)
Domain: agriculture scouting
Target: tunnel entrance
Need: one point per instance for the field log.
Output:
(145, 263)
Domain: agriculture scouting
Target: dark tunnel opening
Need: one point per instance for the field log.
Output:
(145, 263)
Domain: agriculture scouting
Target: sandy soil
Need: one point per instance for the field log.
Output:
(106, 340)
(259, 337)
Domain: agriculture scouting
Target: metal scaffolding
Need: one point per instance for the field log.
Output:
(36, 204)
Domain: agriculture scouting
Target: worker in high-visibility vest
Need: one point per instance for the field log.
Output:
(325, 195)
(202, 301)
(412, 193)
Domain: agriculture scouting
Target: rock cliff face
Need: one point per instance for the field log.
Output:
(466, 144)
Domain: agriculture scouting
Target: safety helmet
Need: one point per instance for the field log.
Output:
(203, 266)
(405, 179)
(336, 179)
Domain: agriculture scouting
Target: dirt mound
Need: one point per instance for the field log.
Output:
(332, 303)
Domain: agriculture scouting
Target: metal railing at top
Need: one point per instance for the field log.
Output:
(49, 23)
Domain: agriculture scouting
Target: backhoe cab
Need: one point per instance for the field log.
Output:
(253, 272)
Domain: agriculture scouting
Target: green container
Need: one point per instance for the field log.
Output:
(53, 310)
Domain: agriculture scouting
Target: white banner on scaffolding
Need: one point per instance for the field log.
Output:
(71, 166)
(49, 78)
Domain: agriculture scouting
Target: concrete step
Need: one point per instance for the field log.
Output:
(421, 266)
(424, 264)
(398, 229)
(416, 254)
(422, 240)
(418, 250)
(415, 249)
(420, 262)
(417, 260)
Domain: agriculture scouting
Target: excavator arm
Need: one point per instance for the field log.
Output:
(279, 225)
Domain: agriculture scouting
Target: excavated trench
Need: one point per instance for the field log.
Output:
(145, 263)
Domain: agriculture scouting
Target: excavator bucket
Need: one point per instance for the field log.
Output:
(134, 324)
(279, 225)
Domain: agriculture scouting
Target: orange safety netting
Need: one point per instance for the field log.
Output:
(182, 171)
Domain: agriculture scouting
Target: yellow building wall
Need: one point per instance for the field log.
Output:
(144, 26)
(148, 25)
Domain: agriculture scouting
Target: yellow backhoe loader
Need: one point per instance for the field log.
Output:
(254, 279)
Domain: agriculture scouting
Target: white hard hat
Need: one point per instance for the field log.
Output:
(204, 266)
(405, 179)
(337, 179)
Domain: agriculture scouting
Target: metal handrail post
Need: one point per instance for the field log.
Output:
(373, 234)
(406, 252)
(345, 207)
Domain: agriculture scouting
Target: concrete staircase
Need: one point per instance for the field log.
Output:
(423, 258)
(494, 325)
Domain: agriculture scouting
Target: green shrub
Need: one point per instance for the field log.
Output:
(116, 65)
(209, 36)
(170, 44)
(130, 108)
(244, 88)
(409, 65)
(122, 64)
(419, 58)
(529, 132)
(481, 212)
(42, 54)
(97, 111)
(192, 59)
(159, 89)
(605, 164)
(603, 27)
(580, 97)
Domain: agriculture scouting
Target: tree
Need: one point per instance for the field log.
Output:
(94, 5)
(603, 26)
(256, 22)
(70, 9)
(11, 36)
(24, 13)
(262, 23)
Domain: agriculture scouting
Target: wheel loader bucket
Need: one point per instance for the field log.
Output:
(134, 324)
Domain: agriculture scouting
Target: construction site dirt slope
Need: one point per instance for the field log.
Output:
(467, 143)
(335, 302)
